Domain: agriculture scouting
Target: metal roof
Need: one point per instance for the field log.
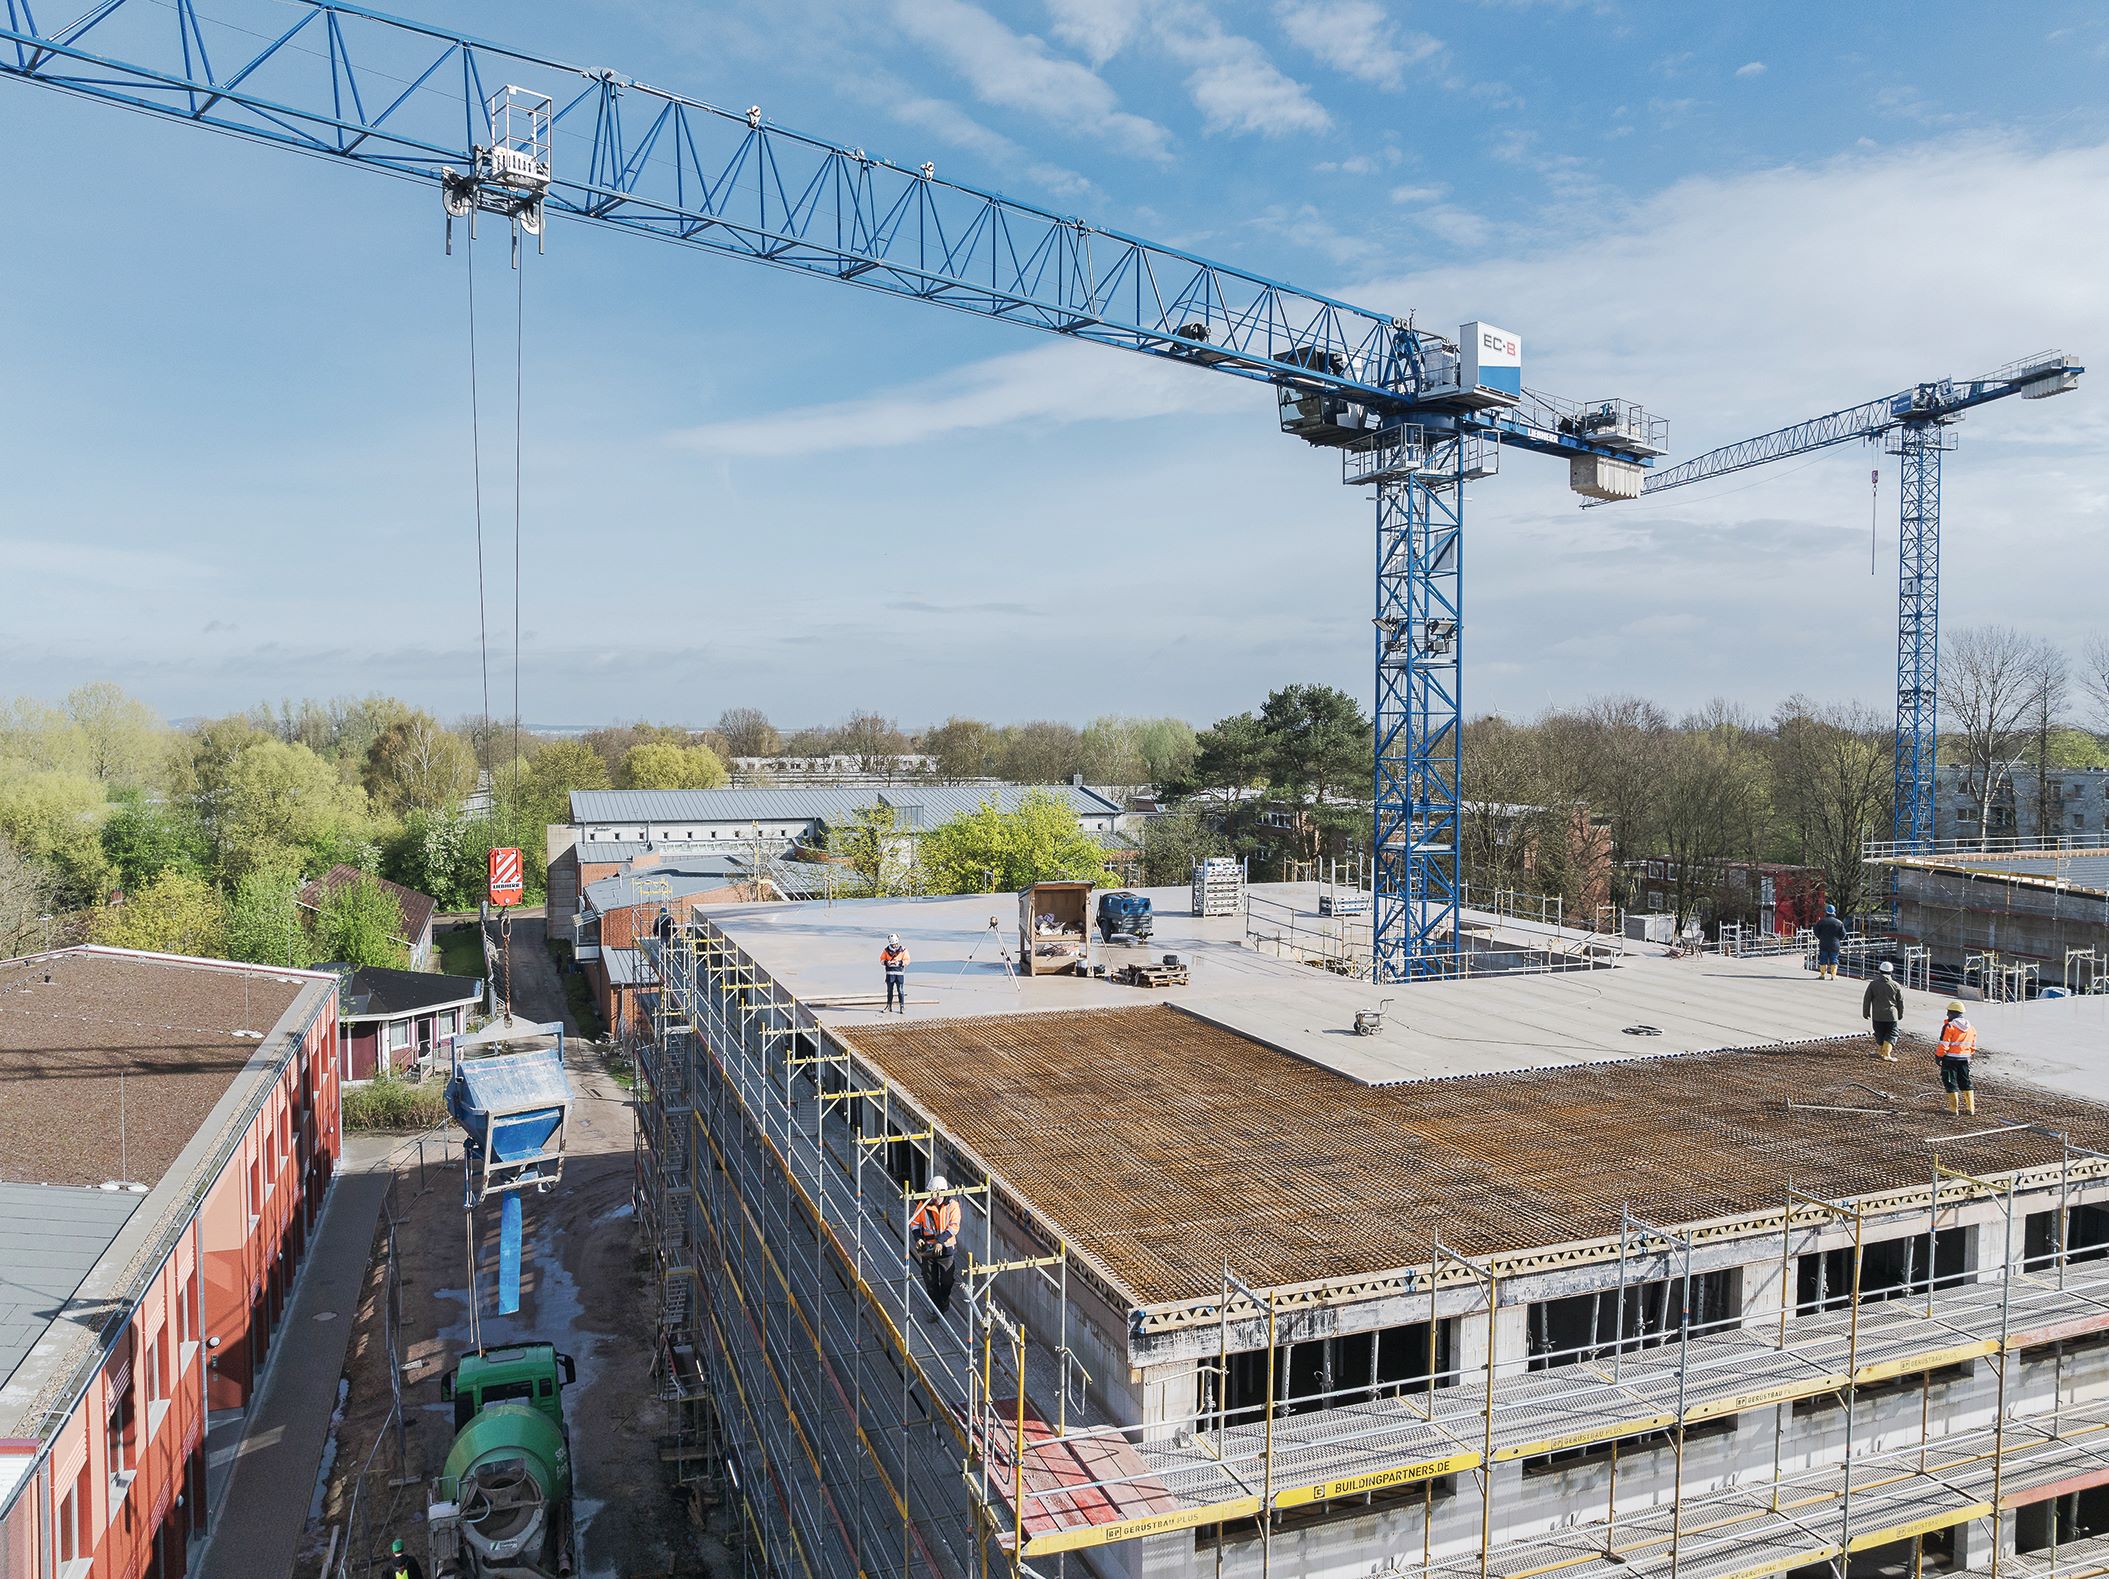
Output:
(625, 967)
(715, 805)
(937, 803)
(612, 851)
(681, 878)
(50, 1236)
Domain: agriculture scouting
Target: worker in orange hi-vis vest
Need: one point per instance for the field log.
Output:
(893, 959)
(1958, 1047)
(934, 1235)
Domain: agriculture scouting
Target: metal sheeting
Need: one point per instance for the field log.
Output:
(1163, 1145)
(2089, 871)
(50, 1236)
(920, 805)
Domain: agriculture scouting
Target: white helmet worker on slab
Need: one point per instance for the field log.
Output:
(893, 960)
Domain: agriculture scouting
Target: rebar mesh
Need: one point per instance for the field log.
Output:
(1164, 1145)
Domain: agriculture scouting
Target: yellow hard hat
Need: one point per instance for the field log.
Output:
(1955, 1006)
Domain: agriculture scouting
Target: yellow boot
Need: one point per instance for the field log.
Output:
(1970, 1102)
(1952, 1107)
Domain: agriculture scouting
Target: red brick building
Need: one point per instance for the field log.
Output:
(168, 1128)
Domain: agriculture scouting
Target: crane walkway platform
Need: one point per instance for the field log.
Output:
(1211, 1476)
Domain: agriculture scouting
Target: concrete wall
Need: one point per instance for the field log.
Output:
(1959, 913)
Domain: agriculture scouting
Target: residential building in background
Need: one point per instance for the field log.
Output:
(391, 1020)
(167, 1130)
(612, 830)
(2078, 804)
(413, 931)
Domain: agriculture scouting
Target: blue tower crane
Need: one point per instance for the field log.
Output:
(1416, 413)
(1914, 425)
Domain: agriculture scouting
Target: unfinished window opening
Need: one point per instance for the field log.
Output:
(2086, 1236)
(1889, 1269)
(1875, 1392)
(1332, 1373)
(1645, 1442)
(1608, 1321)
(1414, 1494)
(1935, 1555)
(2059, 1521)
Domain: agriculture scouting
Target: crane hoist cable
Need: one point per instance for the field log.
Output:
(519, 395)
(483, 639)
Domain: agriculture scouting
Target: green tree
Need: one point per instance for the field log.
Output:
(661, 766)
(555, 771)
(264, 920)
(1318, 755)
(437, 853)
(1228, 770)
(870, 843)
(990, 850)
(965, 748)
(56, 819)
(177, 913)
(284, 805)
(1112, 752)
(359, 924)
(121, 740)
(1173, 842)
(417, 765)
(142, 839)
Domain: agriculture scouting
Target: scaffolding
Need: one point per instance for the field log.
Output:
(862, 1432)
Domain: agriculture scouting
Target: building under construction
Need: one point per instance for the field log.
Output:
(1639, 1270)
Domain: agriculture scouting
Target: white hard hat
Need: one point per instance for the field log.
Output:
(893, 937)
(939, 1182)
(1885, 967)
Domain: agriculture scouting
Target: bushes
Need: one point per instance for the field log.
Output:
(388, 1102)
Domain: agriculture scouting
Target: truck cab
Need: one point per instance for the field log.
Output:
(520, 1373)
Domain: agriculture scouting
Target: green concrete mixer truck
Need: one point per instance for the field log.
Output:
(501, 1508)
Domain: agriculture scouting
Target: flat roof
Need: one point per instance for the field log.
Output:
(77, 1025)
(196, 1042)
(50, 1239)
(827, 956)
(2085, 870)
(1162, 1145)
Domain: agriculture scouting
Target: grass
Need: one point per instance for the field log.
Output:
(620, 1069)
(461, 951)
(389, 1102)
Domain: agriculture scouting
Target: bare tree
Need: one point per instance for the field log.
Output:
(2046, 717)
(1712, 799)
(1990, 679)
(2094, 677)
(748, 732)
(1833, 783)
(26, 902)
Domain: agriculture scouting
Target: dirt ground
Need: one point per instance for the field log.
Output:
(584, 1286)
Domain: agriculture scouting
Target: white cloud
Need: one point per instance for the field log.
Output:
(1357, 164)
(955, 126)
(1355, 37)
(1418, 194)
(1232, 81)
(1047, 386)
(1019, 72)
(1101, 29)
(1755, 68)
(1737, 304)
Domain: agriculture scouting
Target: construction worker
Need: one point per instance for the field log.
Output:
(401, 1565)
(1883, 1003)
(1958, 1047)
(893, 959)
(934, 1232)
(1830, 932)
(664, 926)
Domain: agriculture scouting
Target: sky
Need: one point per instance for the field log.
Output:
(235, 393)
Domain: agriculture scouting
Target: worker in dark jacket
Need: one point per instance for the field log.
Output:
(1830, 932)
(1883, 1003)
(403, 1565)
